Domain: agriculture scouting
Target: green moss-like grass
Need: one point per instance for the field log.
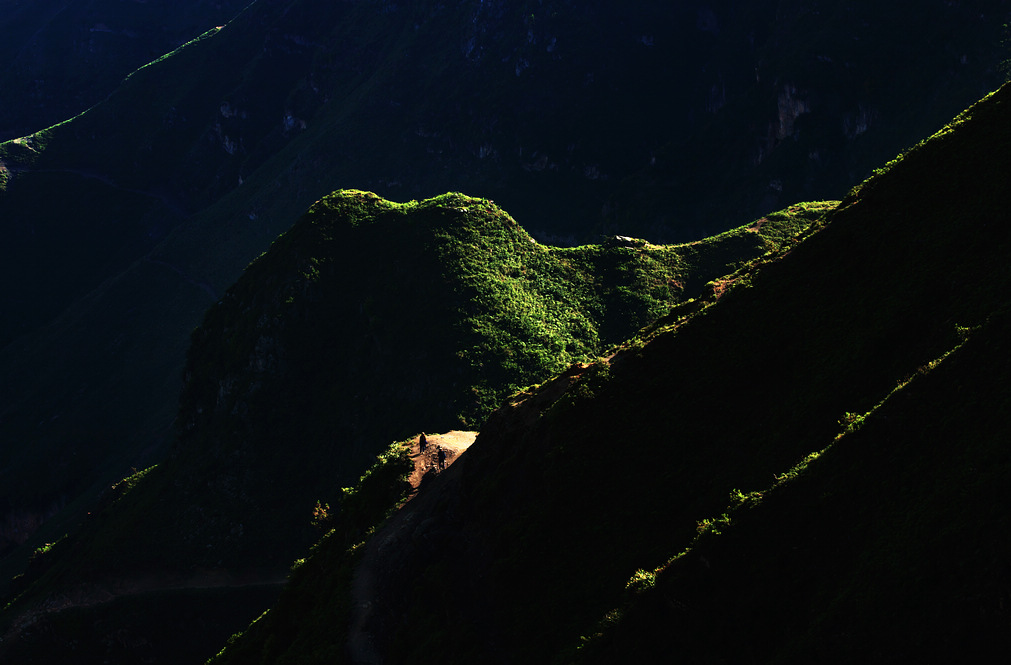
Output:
(525, 311)
(367, 321)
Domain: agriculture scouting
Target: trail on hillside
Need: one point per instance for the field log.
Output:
(427, 467)
(426, 462)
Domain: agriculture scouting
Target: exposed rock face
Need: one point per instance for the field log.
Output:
(858, 122)
(18, 524)
(791, 106)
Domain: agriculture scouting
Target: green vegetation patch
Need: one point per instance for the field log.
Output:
(452, 307)
(603, 473)
(366, 321)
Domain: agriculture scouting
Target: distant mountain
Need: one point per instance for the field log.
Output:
(808, 466)
(666, 121)
(62, 57)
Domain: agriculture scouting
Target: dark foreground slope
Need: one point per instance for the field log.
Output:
(365, 322)
(892, 542)
(889, 546)
(662, 120)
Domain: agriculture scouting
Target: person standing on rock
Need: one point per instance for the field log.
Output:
(422, 442)
(442, 458)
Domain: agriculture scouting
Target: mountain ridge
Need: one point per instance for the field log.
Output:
(61, 60)
(566, 500)
(363, 321)
(121, 266)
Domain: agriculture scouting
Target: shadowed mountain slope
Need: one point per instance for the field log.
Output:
(669, 121)
(578, 496)
(889, 546)
(62, 57)
(363, 323)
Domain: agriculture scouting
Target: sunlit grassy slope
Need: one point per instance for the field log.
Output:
(805, 466)
(367, 321)
(371, 319)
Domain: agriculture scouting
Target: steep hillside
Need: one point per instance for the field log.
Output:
(669, 121)
(365, 322)
(847, 397)
(890, 545)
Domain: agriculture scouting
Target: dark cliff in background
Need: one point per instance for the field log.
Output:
(62, 57)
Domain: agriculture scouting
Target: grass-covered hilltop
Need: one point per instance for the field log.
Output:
(121, 225)
(365, 323)
(808, 465)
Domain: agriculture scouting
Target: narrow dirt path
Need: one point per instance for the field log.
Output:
(427, 461)
(439, 452)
